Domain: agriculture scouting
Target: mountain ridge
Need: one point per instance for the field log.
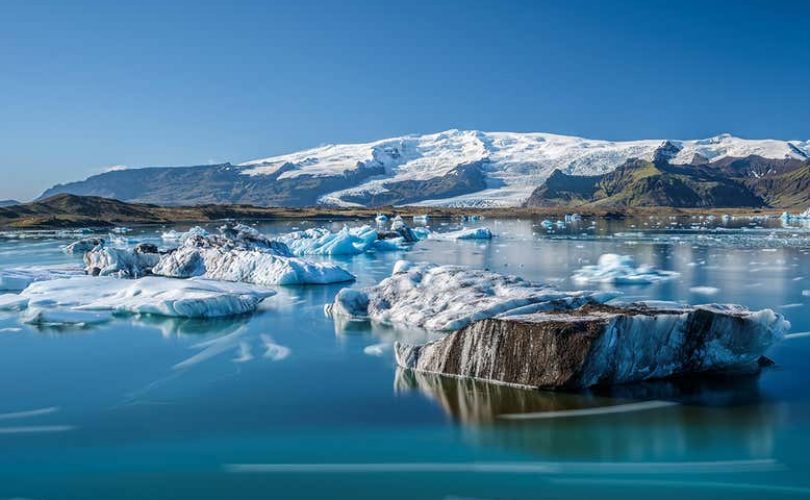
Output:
(454, 168)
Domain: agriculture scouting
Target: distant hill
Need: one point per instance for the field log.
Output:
(72, 211)
(753, 182)
(8, 203)
(454, 168)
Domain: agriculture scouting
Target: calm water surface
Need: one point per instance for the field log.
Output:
(161, 408)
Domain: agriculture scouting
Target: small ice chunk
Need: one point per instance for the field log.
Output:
(349, 303)
(83, 245)
(378, 349)
(704, 290)
(620, 270)
(475, 233)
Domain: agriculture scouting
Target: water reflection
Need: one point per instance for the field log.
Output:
(708, 415)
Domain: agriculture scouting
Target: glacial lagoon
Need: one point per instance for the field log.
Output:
(287, 402)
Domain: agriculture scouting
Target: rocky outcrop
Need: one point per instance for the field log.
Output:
(601, 345)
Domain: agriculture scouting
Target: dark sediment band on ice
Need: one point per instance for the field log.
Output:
(600, 345)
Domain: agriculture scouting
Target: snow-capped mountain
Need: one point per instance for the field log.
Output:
(451, 168)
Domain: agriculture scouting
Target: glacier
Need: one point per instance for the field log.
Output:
(513, 163)
(71, 298)
(598, 344)
(449, 297)
(621, 270)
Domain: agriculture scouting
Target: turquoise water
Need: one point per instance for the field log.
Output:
(161, 408)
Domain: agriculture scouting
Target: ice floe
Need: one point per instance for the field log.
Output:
(620, 270)
(449, 297)
(17, 279)
(192, 298)
(474, 233)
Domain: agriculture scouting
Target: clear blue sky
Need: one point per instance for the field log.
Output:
(89, 84)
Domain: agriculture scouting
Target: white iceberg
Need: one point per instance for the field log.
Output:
(621, 270)
(179, 237)
(474, 233)
(119, 262)
(450, 297)
(240, 253)
(192, 298)
(248, 266)
(17, 279)
(83, 245)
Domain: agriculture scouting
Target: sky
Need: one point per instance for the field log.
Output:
(90, 85)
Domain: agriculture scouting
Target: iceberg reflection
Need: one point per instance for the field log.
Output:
(698, 415)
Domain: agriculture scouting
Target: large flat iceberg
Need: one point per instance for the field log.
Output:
(191, 298)
(600, 345)
(449, 297)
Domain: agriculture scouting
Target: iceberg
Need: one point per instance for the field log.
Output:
(621, 270)
(476, 233)
(17, 279)
(449, 297)
(120, 262)
(178, 237)
(83, 245)
(347, 241)
(599, 344)
(248, 266)
(192, 298)
(787, 216)
(239, 253)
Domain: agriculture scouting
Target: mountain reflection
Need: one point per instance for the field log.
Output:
(709, 414)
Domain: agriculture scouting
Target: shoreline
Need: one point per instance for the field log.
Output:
(70, 212)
